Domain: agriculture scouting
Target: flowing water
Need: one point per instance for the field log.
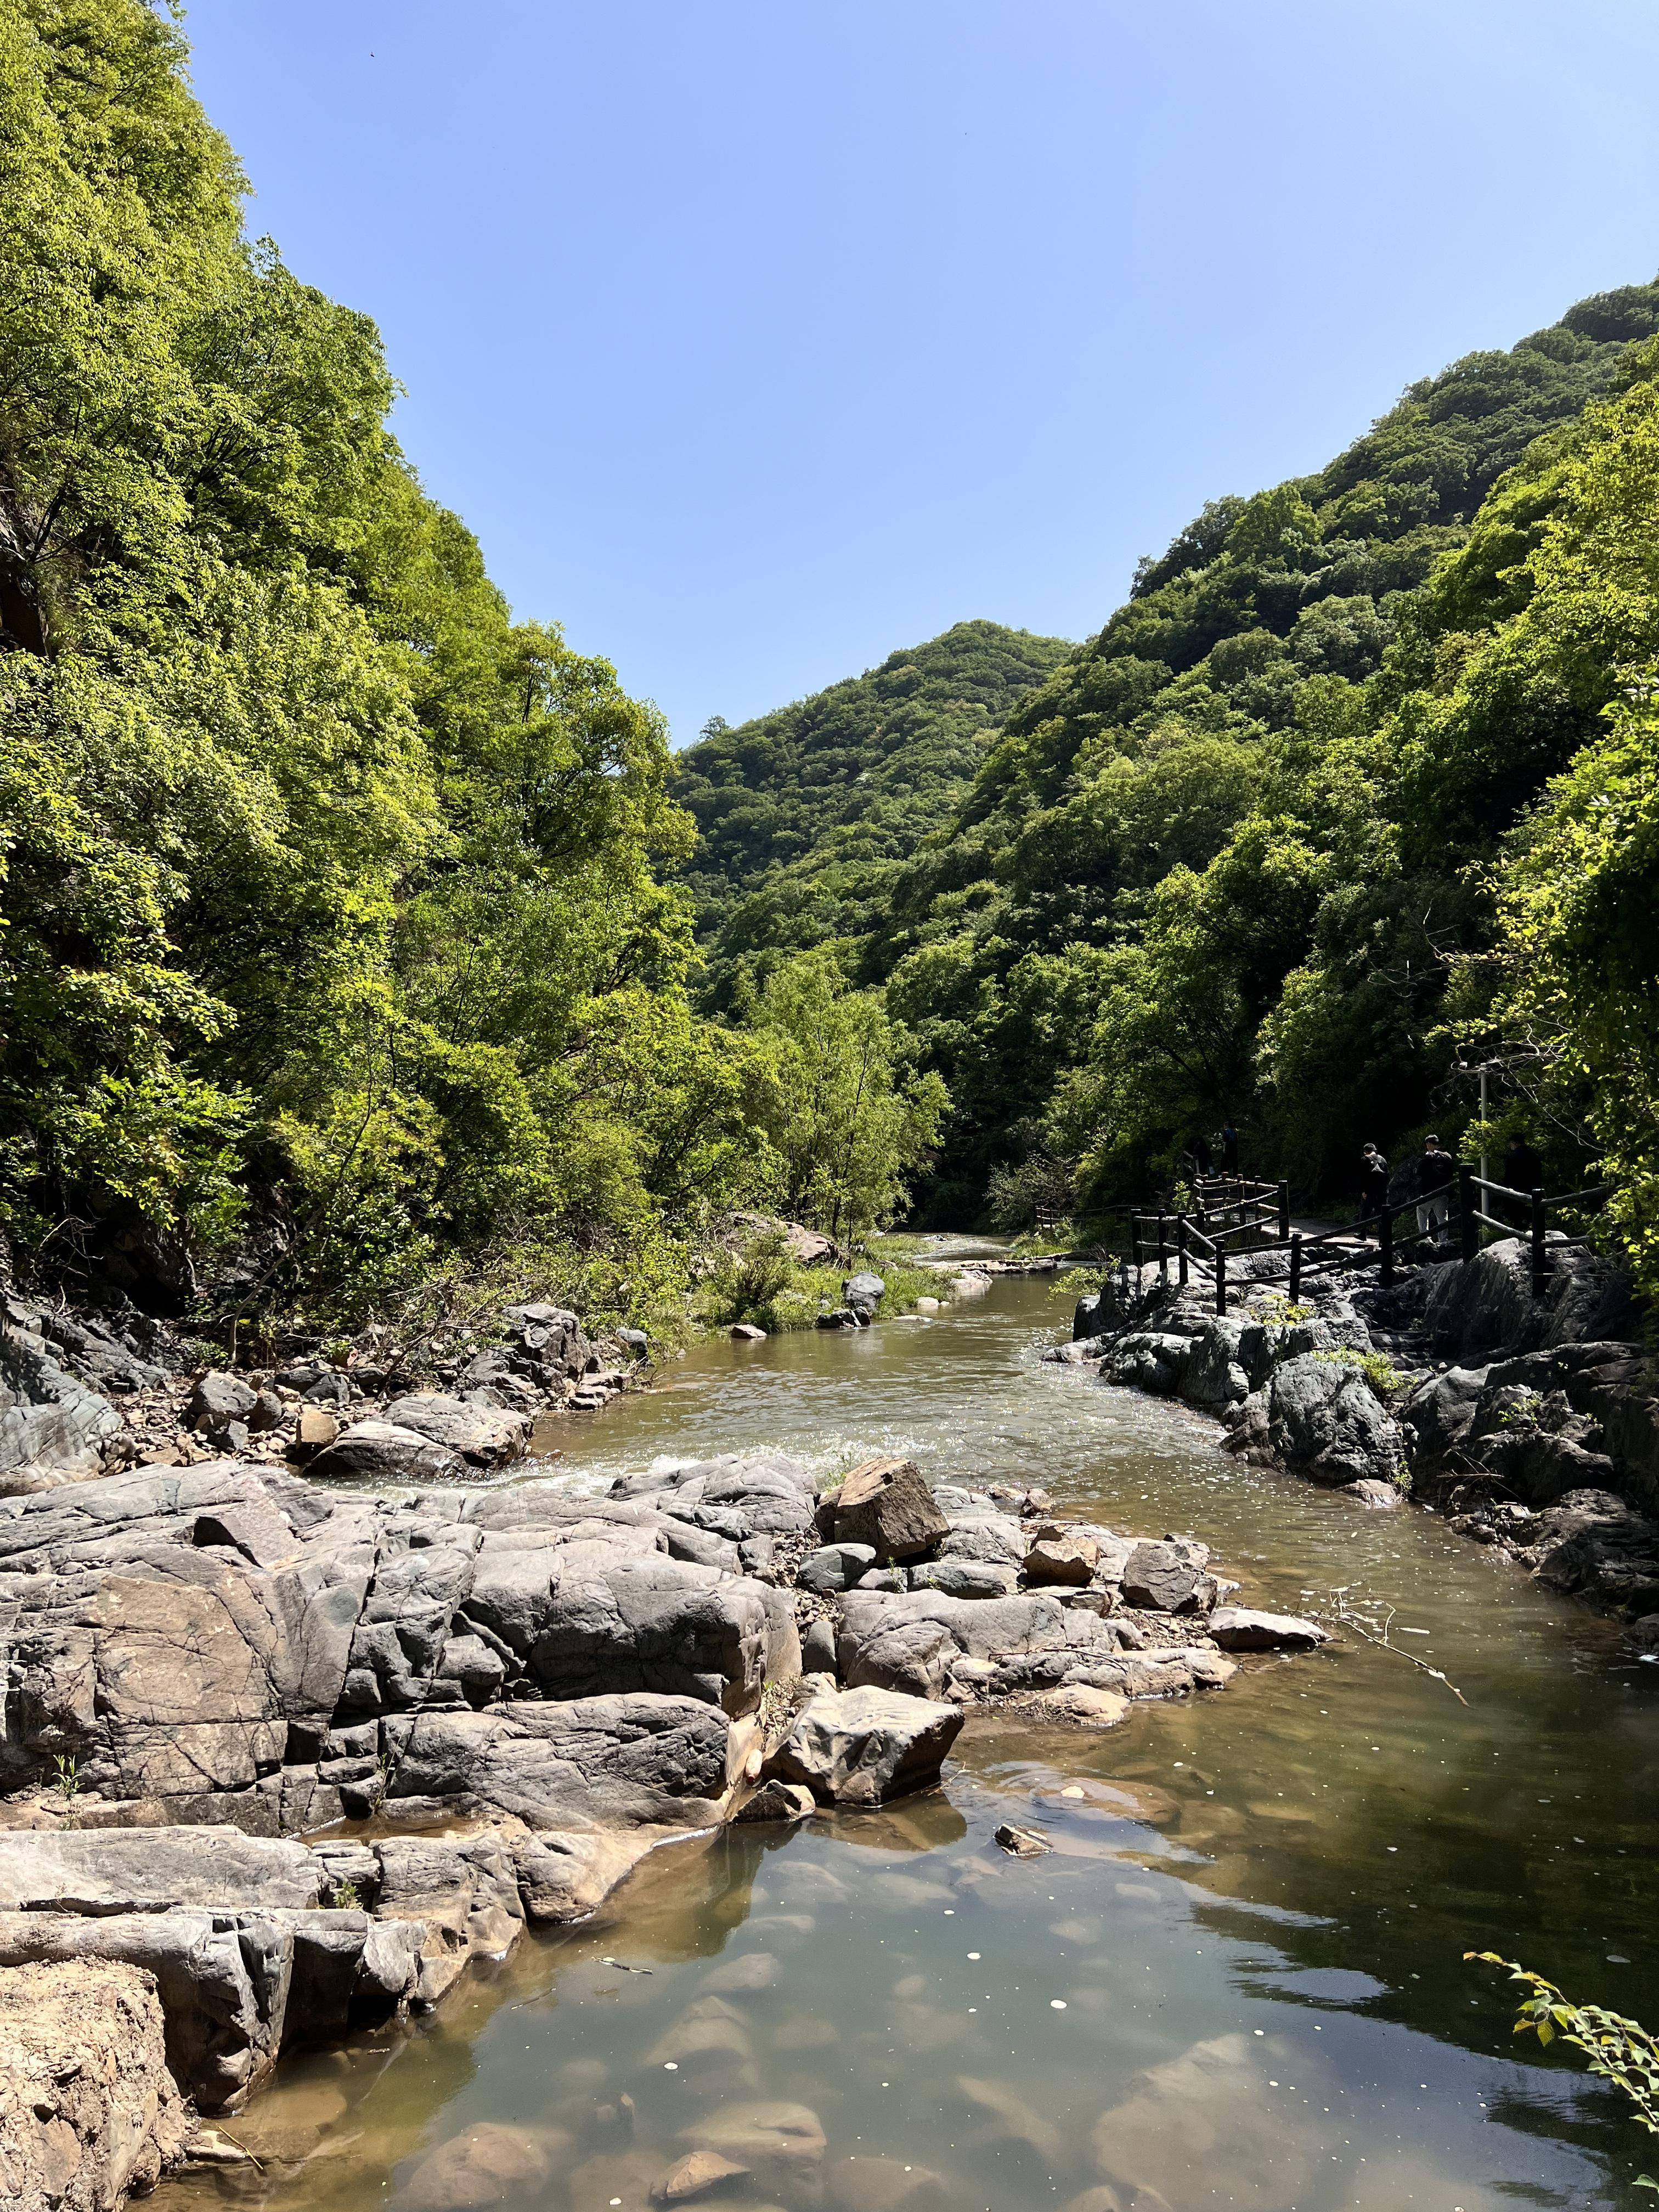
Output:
(1237, 1981)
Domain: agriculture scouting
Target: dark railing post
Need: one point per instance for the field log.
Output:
(1220, 1277)
(1469, 1227)
(1180, 1250)
(1284, 1213)
(1539, 1263)
(1134, 1244)
(1385, 1246)
(1296, 1266)
(1162, 1249)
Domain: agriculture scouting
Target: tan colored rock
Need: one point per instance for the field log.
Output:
(708, 2036)
(887, 1505)
(485, 2164)
(755, 1970)
(624, 2178)
(288, 2124)
(1090, 1708)
(1198, 2116)
(317, 1429)
(886, 2184)
(697, 2173)
(1065, 1561)
(1002, 2117)
(88, 2108)
(779, 2143)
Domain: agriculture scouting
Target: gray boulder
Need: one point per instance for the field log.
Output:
(217, 1401)
(864, 1292)
(53, 1429)
(483, 1434)
(1236, 1628)
(1166, 1577)
(969, 1578)
(922, 1643)
(112, 1870)
(835, 1567)
(1229, 1358)
(1320, 1417)
(996, 1538)
(588, 1762)
(862, 1745)
(1152, 1360)
(383, 1451)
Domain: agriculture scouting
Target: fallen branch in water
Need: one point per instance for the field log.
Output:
(1342, 1618)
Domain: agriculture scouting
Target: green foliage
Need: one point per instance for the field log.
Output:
(330, 912)
(1619, 2051)
(803, 814)
(1224, 861)
(763, 1284)
(1385, 1379)
(848, 1118)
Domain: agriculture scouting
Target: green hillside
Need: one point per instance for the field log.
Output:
(1217, 864)
(803, 813)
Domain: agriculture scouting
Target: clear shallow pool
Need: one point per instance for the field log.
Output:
(1237, 1981)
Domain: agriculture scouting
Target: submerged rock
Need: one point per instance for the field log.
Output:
(488, 2164)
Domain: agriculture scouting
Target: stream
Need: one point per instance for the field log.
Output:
(1237, 1981)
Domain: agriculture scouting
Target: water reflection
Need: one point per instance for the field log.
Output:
(1235, 1981)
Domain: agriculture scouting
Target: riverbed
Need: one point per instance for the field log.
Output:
(1237, 1980)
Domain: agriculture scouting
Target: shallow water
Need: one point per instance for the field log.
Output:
(1236, 1982)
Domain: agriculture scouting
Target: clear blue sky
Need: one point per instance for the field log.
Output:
(757, 337)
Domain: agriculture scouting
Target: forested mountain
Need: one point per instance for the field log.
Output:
(803, 813)
(334, 945)
(1234, 854)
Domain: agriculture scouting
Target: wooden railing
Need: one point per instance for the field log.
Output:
(1249, 1207)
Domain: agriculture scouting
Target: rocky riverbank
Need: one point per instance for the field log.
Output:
(1533, 1423)
(85, 1395)
(298, 1751)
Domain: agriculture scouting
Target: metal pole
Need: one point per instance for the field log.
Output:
(1284, 1213)
(1486, 1171)
(1162, 1249)
(1469, 1227)
(1296, 1266)
(1540, 1264)
(1180, 1250)
(1221, 1278)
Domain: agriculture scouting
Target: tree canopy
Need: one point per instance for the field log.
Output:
(334, 925)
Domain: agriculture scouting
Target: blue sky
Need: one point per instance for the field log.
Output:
(757, 338)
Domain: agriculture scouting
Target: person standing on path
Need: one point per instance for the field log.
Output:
(1373, 1186)
(1436, 1172)
(1229, 1150)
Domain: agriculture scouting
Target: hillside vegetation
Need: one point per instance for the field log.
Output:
(803, 814)
(1358, 765)
(336, 949)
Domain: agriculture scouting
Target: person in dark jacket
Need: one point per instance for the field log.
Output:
(1373, 1186)
(1436, 1173)
(1229, 1150)
(1522, 1169)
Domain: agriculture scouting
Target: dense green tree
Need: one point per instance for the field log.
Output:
(330, 912)
(849, 1117)
(803, 814)
(1237, 826)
